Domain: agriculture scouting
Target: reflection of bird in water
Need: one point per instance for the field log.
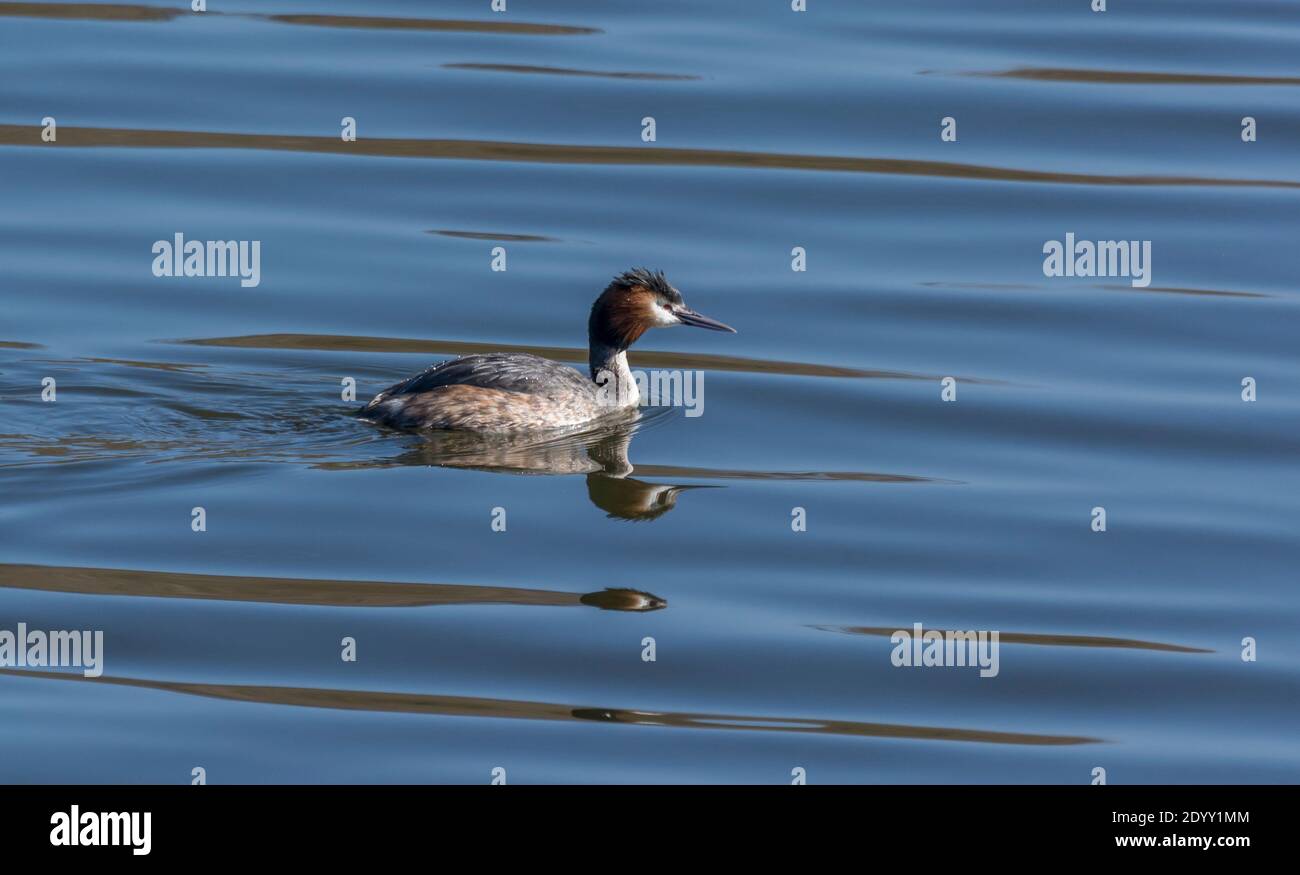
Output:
(509, 392)
(600, 453)
(619, 599)
(630, 499)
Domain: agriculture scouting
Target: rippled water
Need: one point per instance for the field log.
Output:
(522, 649)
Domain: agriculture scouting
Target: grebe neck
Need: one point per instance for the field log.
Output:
(613, 378)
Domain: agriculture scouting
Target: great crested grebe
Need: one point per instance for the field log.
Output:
(511, 391)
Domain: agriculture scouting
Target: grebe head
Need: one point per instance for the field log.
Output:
(638, 300)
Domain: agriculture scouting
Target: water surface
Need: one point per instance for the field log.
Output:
(522, 649)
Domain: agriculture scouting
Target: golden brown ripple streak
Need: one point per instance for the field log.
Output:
(139, 12)
(684, 471)
(646, 358)
(1047, 640)
(569, 71)
(473, 706)
(291, 591)
(444, 24)
(548, 153)
(1131, 77)
(91, 11)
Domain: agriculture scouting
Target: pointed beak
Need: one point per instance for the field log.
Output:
(687, 316)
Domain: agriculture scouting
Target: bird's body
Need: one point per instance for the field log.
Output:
(520, 392)
(484, 392)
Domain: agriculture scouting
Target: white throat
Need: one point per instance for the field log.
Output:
(615, 385)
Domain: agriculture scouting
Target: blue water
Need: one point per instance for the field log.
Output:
(480, 649)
